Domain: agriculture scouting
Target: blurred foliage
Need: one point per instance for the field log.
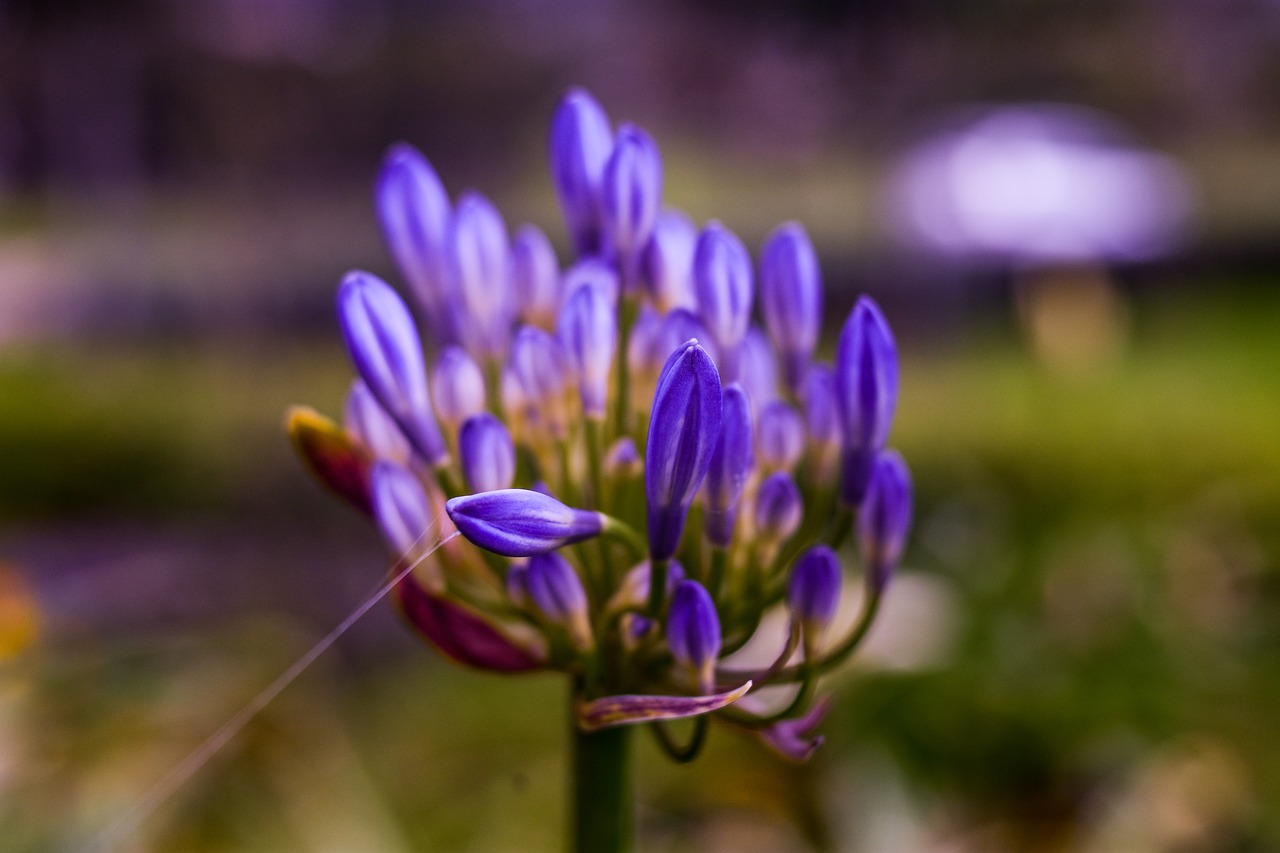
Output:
(1108, 673)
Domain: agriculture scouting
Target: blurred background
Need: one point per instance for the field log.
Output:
(1069, 210)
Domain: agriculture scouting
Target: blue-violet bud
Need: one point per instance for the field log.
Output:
(693, 632)
(540, 372)
(758, 369)
(866, 386)
(554, 589)
(631, 193)
(521, 523)
(400, 506)
(779, 508)
(730, 466)
(413, 209)
(373, 427)
(667, 262)
(535, 277)
(779, 437)
(481, 260)
(383, 343)
(487, 455)
(791, 293)
(722, 283)
(581, 142)
(884, 519)
(684, 426)
(823, 422)
(588, 330)
(813, 591)
(457, 387)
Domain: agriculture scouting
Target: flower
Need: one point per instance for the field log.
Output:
(758, 459)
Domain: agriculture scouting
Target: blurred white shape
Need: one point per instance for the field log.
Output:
(1040, 183)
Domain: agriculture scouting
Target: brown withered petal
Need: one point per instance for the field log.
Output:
(627, 709)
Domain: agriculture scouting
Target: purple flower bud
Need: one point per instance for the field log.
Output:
(482, 270)
(384, 345)
(730, 466)
(779, 508)
(517, 584)
(866, 386)
(538, 371)
(813, 592)
(554, 589)
(457, 387)
(535, 277)
(676, 328)
(722, 282)
(779, 437)
(521, 523)
(693, 631)
(643, 342)
(414, 211)
(631, 191)
(581, 143)
(588, 329)
(683, 428)
(622, 460)
(791, 293)
(487, 455)
(758, 369)
(591, 271)
(667, 262)
(400, 506)
(373, 427)
(634, 589)
(823, 422)
(884, 519)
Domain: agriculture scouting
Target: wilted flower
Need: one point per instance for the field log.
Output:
(635, 573)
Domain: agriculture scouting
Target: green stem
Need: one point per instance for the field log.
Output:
(603, 818)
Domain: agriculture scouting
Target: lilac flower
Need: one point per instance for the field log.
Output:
(400, 507)
(683, 429)
(813, 592)
(414, 211)
(537, 393)
(535, 277)
(779, 508)
(486, 453)
(822, 421)
(631, 193)
(553, 588)
(693, 632)
(588, 330)
(866, 386)
(581, 143)
(521, 523)
(667, 262)
(384, 345)
(373, 427)
(780, 437)
(791, 292)
(482, 266)
(457, 387)
(884, 519)
(722, 282)
(730, 466)
(758, 369)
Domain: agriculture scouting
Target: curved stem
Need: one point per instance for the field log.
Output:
(688, 752)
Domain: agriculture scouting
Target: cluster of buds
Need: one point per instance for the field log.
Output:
(639, 473)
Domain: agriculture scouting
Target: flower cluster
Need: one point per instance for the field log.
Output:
(639, 472)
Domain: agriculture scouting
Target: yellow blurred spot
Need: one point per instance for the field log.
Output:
(1076, 319)
(19, 615)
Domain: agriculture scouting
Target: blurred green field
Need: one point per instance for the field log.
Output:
(1093, 578)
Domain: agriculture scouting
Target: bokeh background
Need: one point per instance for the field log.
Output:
(1070, 210)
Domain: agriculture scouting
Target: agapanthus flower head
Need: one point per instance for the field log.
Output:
(630, 399)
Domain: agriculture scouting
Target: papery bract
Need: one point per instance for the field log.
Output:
(520, 522)
(683, 428)
(384, 345)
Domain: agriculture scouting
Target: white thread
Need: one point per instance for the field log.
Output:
(167, 785)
